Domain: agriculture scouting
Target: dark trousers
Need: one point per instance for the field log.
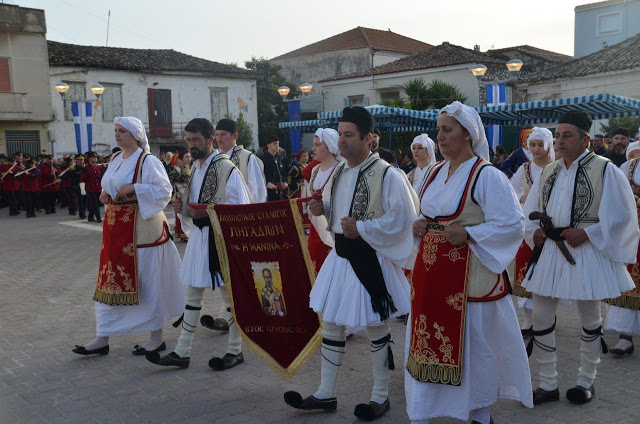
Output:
(49, 201)
(82, 202)
(13, 202)
(64, 202)
(32, 202)
(71, 200)
(93, 205)
(273, 195)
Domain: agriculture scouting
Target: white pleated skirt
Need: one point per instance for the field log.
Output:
(194, 271)
(495, 365)
(623, 320)
(339, 296)
(593, 277)
(161, 296)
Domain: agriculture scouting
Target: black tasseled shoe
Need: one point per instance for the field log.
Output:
(541, 396)
(227, 361)
(372, 410)
(580, 395)
(311, 403)
(170, 360)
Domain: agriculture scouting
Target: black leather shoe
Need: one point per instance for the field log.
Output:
(98, 219)
(227, 361)
(527, 332)
(541, 396)
(169, 360)
(621, 352)
(90, 219)
(477, 422)
(139, 350)
(217, 324)
(311, 403)
(80, 350)
(580, 395)
(372, 410)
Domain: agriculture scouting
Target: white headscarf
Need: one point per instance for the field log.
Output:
(330, 138)
(470, 120)
(425, 141)
(546, 137)
(136, 128)
(633, 146)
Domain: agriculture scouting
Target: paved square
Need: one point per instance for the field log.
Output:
(47, 278)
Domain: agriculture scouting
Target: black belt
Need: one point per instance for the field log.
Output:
(362, 258)
(537, 250)
(214, 261)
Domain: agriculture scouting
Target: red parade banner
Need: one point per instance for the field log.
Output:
(521, 262)
(266, 266)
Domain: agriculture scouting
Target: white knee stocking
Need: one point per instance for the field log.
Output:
(382, 359)
(544, 312)
(193, 301)
(590, 345)
(332, 351)
(226, 313)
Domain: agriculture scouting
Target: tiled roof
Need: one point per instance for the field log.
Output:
(448, 54)
(619, 57)
(443, 55)
(62, 54)
(360, 38)
(530, 50)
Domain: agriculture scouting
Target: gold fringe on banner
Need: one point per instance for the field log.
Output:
(434, 373)
(116, 299)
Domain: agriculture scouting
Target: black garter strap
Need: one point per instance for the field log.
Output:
(593, 335)
(377, 345)
(188, 308)
(537, 343)
(334, 343)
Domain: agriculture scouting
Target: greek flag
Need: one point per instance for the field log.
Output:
(82, 122)
(496, 96)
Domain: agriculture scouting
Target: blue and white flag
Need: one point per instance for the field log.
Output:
(496, 96)
(82, 112)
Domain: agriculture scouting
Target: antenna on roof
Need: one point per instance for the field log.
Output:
(106, 44)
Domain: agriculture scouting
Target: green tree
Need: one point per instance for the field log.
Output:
(271, 108)
(631, 123)
(245, 130)
(439, 94)
(416, 91)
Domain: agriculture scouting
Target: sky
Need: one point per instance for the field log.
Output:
(234, 31)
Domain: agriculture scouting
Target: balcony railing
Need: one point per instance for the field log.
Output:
(14, 103)
(176, 133)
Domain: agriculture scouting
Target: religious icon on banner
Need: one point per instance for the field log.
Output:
(268, 283)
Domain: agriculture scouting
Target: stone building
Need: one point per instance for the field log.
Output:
(25, 96)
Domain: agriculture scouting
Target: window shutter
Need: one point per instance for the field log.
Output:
(5, 76)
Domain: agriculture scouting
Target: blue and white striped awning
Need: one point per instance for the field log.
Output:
(392, 118)
(599, 106)
(309, 125)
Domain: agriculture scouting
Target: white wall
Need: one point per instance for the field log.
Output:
(608, 23)
(337, 91)
(190, 98)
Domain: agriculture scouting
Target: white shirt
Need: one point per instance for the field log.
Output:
(390, 235)
(418, 178)
(255, 179)
(518, 179)
(153, 192)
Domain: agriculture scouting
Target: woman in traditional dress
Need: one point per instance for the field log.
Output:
(179, 177)
(540, 144)
(295, 178)
(463, 345)
(325, 150)
(623, 313)
(423, 150)
(138, 289)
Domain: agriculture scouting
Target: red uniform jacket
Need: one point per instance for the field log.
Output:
(47, 177)
(9, 182)
(91, 176)
(30, 181)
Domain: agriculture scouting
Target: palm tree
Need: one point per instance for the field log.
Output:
(434, 95)
(439, 94)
